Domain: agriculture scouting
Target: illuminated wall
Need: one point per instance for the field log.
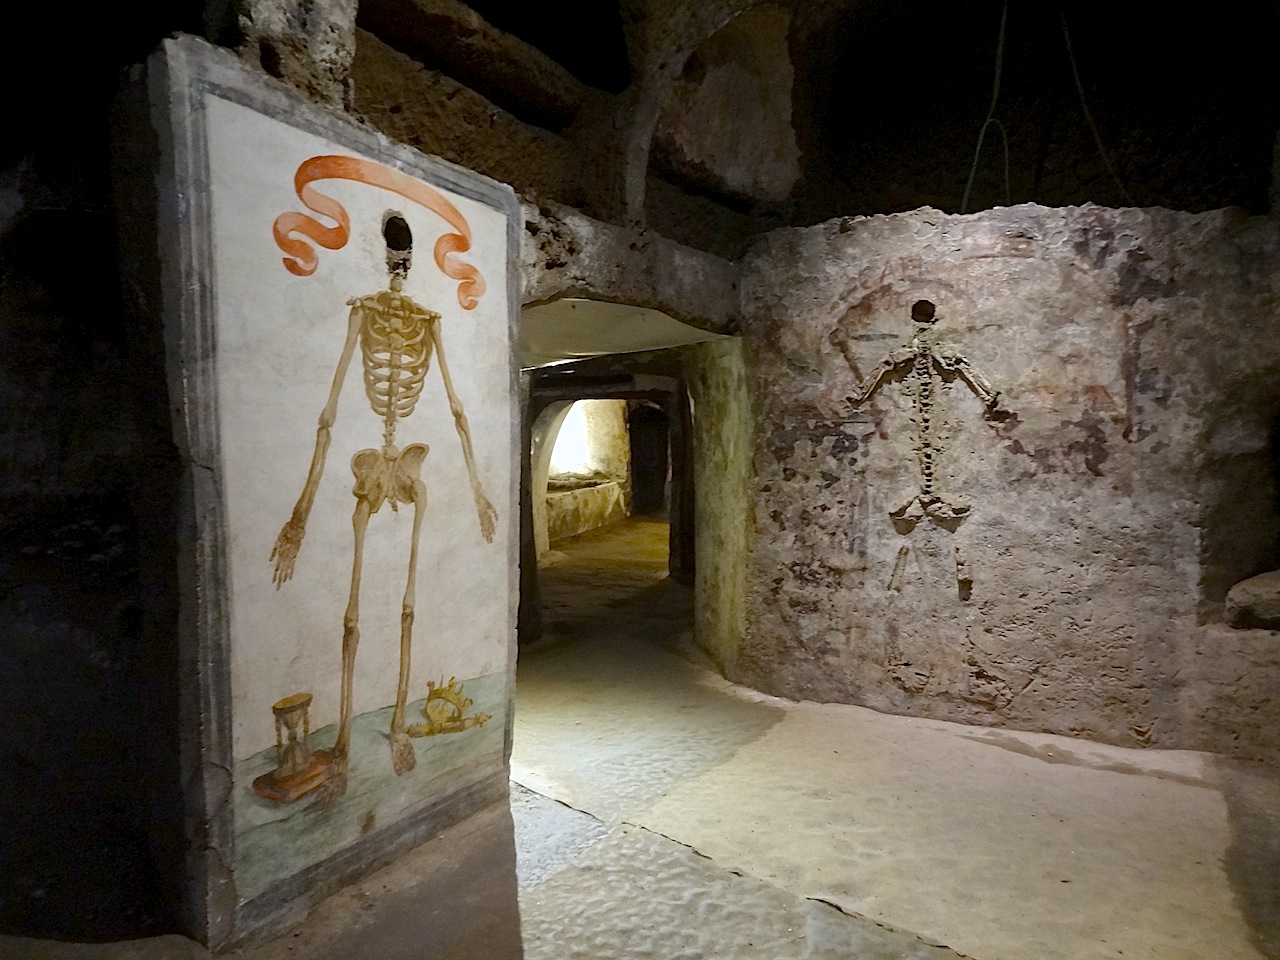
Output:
(588, 482)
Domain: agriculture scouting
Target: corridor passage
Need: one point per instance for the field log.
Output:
(662, 812)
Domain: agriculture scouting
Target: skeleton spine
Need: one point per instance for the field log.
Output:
(924, 391)
(393, 390)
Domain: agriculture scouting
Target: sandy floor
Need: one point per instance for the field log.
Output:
(997, 844)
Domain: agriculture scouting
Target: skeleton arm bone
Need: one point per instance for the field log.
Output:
(285, 552)
(899, 357)
(484, 509)
(947, 358)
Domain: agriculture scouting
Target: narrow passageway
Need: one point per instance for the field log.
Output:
(661, 811)
(611, 584)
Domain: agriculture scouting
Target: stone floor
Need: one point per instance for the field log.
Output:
(661, 812)
(702, 819)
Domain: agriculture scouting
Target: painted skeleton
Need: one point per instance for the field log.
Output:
(925, 360)
(397, 338)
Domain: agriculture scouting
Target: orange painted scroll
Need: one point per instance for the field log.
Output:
(301, 259)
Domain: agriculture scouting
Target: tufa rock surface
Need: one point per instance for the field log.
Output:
(1114, 493)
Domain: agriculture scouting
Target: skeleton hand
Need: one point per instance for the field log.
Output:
(996, 410)
(488, 517)
(285, 552)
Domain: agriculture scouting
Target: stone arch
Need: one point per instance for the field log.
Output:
(543, 433)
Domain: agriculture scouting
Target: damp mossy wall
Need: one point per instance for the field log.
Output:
(722, 449)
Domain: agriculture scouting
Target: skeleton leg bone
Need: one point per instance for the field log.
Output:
(402, 755)
(336, 784)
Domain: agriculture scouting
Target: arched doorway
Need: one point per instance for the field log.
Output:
(582, 350)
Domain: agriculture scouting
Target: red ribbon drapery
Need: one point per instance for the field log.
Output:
(301, 259)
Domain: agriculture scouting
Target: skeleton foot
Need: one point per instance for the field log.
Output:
(403, 759)
(335, 783)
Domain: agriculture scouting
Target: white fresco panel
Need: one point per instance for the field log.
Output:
(280, 337)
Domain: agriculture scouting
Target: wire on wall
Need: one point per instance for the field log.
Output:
(1093, 127)
(991, 120)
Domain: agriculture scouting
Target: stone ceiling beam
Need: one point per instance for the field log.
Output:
(567, 254)
(449, 35)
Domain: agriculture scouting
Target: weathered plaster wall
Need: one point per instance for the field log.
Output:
(593, 441)
(1111, 493)
(722, 452)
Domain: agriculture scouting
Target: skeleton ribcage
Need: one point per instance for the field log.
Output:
(396, 345)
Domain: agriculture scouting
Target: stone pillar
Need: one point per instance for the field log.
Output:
(681, 549)
(529, 616)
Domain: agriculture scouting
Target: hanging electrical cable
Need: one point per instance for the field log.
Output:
(1093, 127)
(991, 119)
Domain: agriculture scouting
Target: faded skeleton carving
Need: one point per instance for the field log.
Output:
(397, 338)
(924, 357)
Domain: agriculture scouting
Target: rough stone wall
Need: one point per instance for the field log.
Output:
(727, 119)
(309, 43)
(566, 254)
(608, 450)
(1109, 491)
(722, 450)
(440, 116)
(577, 166)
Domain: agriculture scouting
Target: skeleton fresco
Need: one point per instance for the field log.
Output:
(925, 359)
(337, 302)
(397, 339)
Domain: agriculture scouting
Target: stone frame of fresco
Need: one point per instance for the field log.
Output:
(315, 276)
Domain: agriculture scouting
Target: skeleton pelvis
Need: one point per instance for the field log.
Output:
(387, 475)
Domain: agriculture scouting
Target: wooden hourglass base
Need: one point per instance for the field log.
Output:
(279, 787)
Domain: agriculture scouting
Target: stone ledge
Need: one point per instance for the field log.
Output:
(568, 254)
(1254, 604)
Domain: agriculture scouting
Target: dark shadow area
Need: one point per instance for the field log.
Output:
(1252, 862)
(74, 853)
(76, 825)
(583, 36)
(1240, 537)
(650, 459)
(1183, 106)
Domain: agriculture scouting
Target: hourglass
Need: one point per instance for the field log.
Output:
(299, 770)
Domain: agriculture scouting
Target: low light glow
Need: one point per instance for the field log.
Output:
(572, 452)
